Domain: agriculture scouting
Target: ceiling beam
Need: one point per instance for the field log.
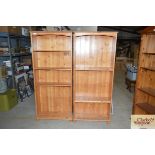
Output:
(118, 29)
(141, 28)
(129, 39)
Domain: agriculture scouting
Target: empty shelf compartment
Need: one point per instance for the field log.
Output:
(146, 107)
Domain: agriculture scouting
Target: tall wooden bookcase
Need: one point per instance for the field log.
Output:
(144, 102)
(52, 64)
(81, 65)
(94, 59)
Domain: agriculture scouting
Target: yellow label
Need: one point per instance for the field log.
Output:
(142, 121)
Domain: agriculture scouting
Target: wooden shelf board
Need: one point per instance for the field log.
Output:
(146, 107)
(149, 68)
(52, 68)
(91, 99)
(149, 91)
(108, 34)
(40, 33)
(50, 51)
(55, 84)
(93, 69)
(147, 53)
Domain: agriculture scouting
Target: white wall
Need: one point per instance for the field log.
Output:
(75, 28)
(51, 28)
(83, 28)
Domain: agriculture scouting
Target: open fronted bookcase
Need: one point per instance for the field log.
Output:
(94, 59)
(52, 63)
(78, 64)
(144, 102)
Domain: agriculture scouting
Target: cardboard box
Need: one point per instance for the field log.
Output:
(10, 29)
(4, 49)
(3, 71)
(27, 60)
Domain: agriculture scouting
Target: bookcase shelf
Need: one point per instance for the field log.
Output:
(93, 68)
(53, 68)
(50, 51)
(148, 53)
(149, 68)
(55, 84)
(91, 99)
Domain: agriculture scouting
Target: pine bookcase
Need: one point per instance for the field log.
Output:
(144, 100)
(52, 65)
(73, 74)
(94, 60)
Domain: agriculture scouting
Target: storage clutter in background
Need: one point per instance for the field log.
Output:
(131, 72)
(3, 82)
(8, 67)
(18, 66)
(2, 71)
(3, 85)
(23, 78)
(20, 30)
(120, 63)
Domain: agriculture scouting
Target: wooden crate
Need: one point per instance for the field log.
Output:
(144, 100)
(52, 63)
(94, 59)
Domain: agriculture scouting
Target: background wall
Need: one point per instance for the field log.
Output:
(73, 28)
(83, 28)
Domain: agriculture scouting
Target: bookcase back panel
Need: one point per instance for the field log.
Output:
(148, 43)
(52, 99)
(54, 76)
(151, 100)
(141, 97)
(91, 111)
(52, 59)
(148, 61)
(92, 83)
(148, 76)
(52, 43)
(94, 51)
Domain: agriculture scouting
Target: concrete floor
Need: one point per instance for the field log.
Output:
(23, 115)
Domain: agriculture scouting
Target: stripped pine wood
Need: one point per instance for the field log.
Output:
(92, 69)
(94, 59)
(52, 63)
(144, 100)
